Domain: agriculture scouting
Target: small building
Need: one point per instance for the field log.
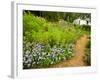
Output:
(82, 21)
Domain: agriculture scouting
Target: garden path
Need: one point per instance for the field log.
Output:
(77, 60)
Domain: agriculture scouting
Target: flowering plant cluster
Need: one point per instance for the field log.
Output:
(36, 55)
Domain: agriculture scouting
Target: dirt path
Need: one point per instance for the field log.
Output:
(77, 60)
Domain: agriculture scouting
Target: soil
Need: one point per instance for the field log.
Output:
(77, 60)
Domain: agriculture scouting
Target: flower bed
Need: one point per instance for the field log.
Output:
(38, 55)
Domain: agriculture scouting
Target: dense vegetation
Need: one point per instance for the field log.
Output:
(87, 57)
(55, 16)
(46, 40)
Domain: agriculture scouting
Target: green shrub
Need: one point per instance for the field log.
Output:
(39, 30)
(87, 57)
(86, 27)
(31, 22)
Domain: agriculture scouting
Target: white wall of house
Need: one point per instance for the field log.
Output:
(81, 22)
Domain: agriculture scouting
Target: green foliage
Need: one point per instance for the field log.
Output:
(31, 22)
(88, 44)
(55, 16)
(37, 29)
(87, 57)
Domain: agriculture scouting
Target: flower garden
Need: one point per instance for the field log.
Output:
(47, 43)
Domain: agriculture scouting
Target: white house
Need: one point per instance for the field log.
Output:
(82, 22)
